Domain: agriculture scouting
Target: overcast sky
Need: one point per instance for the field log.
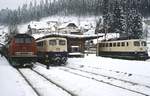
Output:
(13, 4)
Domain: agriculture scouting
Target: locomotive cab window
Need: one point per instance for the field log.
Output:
(19, 40)
(143, 43)
(62, 42)
(52, 42)
(28, 40)
(41, 43)
(136, 43)
(23, 40)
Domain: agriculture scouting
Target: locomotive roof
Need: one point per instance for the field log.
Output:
(70, 36)
(118, 39)
(22, 35)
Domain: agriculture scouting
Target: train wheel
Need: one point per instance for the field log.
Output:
(64, 59)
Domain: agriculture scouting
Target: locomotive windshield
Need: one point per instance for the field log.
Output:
(136, 43)
(143, 43)
(52, 42)
(62, 42)
(23, 40)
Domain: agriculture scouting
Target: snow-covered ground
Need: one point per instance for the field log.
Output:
(129, 66)
(12, 84)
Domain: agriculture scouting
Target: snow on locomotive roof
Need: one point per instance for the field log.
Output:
(86, 37)
(124, 38)
(23, 35)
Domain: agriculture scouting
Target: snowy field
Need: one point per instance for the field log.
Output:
(129, 66)
(12, 84)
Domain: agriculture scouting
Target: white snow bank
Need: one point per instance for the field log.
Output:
(128, 66)
(11, 83)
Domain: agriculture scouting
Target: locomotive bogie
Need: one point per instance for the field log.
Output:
(54, 58)
(22, 61)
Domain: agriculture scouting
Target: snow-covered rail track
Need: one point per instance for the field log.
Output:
(71, 94)
(130, 86)
(37, 93)
(82, 85)
(41, 85)
(123, 76)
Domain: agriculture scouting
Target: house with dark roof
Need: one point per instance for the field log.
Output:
(69, 28)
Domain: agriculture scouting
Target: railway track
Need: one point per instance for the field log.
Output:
(123, 84)
(125, 75)
(71, 93)
(34, 89)
(43, 86)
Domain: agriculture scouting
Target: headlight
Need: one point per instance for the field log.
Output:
(46, 56)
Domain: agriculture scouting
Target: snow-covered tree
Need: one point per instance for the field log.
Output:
(134, 22)
(137, 26)
(105, 15)
(119, 19)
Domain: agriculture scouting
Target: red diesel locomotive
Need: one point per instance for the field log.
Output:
(21, 50)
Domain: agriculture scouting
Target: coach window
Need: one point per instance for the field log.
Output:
(100, 44)
(136, 43)
(127, 43)
(122, 43)
(118, 44)
(62, 42)
(103, 44)
(52, 42)
(106, 44)
(110, 44)
(114, 44)
(143, 43)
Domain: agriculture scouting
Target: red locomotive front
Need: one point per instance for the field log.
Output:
(22, 49)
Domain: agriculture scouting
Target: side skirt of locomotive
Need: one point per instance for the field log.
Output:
(53, 58)
(22, 61)
(126, 55)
